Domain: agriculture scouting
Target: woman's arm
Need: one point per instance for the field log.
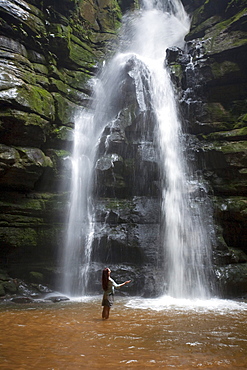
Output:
(119, 285)
(126, 282)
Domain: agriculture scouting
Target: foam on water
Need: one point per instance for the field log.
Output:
(168, 303)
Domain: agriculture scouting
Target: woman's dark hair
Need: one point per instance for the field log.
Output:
(105, 278)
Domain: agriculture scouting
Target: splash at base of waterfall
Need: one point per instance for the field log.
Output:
(167, 303)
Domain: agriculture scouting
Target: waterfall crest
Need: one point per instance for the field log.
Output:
(144, 38)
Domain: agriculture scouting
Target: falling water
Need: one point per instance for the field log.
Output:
(76, 256)
(186, 238)
(144, 38)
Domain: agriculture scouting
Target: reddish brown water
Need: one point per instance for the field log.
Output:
(168, 336)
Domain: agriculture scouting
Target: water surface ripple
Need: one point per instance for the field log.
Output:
(141, 333)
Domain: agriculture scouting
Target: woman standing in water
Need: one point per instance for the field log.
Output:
(108, 285)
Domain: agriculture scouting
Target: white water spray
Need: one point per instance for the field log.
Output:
(145, 36)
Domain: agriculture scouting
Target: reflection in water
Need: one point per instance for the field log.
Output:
(161, 333)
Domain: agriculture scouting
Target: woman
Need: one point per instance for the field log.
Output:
(108, 285)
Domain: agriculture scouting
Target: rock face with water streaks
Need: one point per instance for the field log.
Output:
(212, 83)
(127, 194)
(49, 51)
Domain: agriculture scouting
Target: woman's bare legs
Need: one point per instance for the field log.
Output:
(105, 312)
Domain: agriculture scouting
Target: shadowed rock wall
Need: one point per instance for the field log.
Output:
(211, 78)
(49, 50)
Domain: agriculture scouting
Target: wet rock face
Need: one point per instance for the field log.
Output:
(48, 53)
(126, 237)
(127, 194)
(211, 81)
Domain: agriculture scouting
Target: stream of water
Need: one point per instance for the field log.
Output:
(76, 253)
(163, 333)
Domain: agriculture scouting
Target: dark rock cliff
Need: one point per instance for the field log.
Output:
(211, 78)
(49, 51)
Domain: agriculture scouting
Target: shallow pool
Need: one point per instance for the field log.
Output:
(141, 333)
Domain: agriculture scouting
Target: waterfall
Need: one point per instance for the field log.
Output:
(76, 255)
(144, 38)
(186, 235)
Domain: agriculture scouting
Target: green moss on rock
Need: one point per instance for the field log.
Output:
(225, 69)
(237, 134)
(22, 129)
(36, 277)
(33, 98)
(65, 109)
(81, 55)
(18, 237)
(10, 286)
(242, 121)
(28, 17)
(231, 147)
(218, 116)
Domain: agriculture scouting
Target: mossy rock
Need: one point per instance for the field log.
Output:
(217, 116)
(233, 206)
(220, 155)
(22, 129)
(109, 15)
(232, 147)
(81, 54)
(16, 74)
(32, 98)
(176, 70)
(77, 97)
(10, 286)
(226, 71)
(36, 277)
(199, 29)
(242, 121)
(234, 41)
(40, 69)
(22, 167)
(18, 237)
(61, 138)
(231, 212)
(65, 109)
(70, 48)
(27, 17)
(237, 134)
(62, 168)
(35, 209)
(209, 19)
(74, 78)
(59, 39)
(8, 156)
(33, 156)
